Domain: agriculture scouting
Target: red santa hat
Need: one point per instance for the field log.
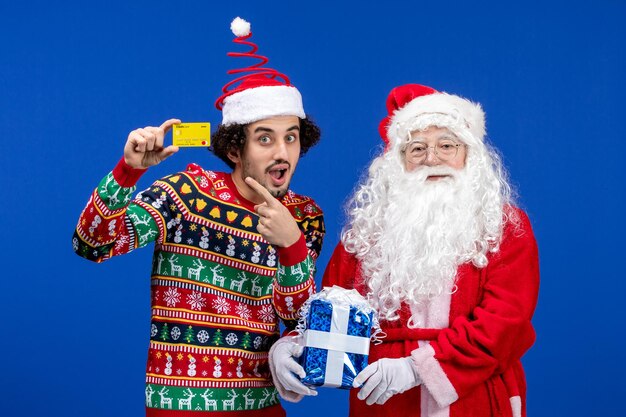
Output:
(261, 92)
(406, 103)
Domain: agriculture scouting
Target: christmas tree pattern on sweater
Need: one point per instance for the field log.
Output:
(218, 288)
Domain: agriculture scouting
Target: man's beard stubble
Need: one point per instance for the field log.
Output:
(277, 193)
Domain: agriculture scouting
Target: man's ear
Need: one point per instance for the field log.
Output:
(234, 156)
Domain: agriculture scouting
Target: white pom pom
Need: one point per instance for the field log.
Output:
(240, 27)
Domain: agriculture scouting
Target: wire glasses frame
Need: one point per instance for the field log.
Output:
(445, 150)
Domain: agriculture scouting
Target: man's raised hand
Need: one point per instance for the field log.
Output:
(144, 147)
(276, 224)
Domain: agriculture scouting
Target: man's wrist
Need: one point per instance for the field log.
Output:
(413, 366)
(125, 175)
(293, 254)
(292, 239)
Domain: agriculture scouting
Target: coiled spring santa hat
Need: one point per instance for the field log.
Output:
(261, 92)
(413, 107)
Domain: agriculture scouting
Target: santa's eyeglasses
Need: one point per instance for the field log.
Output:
(445, 150)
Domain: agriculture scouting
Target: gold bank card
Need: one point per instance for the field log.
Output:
(191, 134)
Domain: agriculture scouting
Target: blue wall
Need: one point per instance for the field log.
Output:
(75, 79)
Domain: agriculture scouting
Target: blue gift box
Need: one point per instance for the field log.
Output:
(336, 340)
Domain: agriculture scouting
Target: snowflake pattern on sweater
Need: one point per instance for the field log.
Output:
(218, 288)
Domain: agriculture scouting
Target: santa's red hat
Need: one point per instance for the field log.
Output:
(261, 92)
(406, 103)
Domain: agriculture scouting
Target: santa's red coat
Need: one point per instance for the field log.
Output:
(469, 348)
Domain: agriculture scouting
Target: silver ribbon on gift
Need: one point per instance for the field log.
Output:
(336, 341)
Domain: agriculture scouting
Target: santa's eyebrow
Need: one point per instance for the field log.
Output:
(448, 136)
(423, 140)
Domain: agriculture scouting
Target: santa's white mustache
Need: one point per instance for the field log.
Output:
(424, 172)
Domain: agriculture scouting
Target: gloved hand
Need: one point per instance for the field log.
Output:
(283, 366)
(385, 378)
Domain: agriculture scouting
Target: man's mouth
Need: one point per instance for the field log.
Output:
(436, 177)
(278, 173)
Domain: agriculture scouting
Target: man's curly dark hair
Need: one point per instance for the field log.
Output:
(233, 138)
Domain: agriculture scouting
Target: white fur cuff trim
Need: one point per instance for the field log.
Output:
(516, 406)
(433, 376)
(254, 104)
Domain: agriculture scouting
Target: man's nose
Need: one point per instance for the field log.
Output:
(280, 150)
(431, 158)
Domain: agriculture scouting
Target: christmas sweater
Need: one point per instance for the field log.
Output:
(218, 288)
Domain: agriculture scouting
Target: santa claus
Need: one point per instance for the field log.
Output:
(436, 244)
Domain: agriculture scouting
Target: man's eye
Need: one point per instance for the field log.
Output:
(291, 139)
(446, 146)
(264, 139)
(418, 149)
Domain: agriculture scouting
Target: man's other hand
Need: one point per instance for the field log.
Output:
(144, 147)
(284, 369)
(276, 224)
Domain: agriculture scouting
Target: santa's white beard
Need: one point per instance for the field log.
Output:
(412, 234)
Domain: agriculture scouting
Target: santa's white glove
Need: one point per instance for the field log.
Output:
(385, 378)
(284, 369)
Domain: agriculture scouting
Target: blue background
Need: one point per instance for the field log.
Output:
(76, 78)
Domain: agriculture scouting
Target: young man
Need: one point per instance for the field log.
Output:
(435, 243)
(233, 251)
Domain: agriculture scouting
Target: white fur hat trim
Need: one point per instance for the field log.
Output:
(254, 104)
(469, 114)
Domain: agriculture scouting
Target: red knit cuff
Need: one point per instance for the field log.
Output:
(289, 333)
(293, 254)
(125, 175)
